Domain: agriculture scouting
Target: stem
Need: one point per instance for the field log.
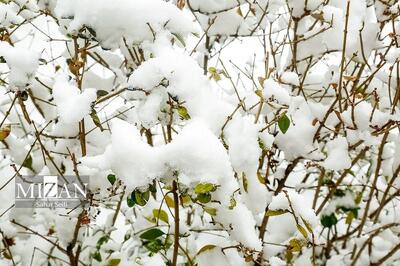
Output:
(176, 220)
(343, 55)
(373, 186)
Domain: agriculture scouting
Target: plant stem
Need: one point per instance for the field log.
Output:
(176, 220)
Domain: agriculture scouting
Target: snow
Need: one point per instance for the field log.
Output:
(298, 140)
(272, 90)
(290, 78)
(195, 153)
(22, 63)
(136, 20)
(185, 80)
(243, 228)
(8, 15)
(338, 156)
(72, 105)
(152, 62)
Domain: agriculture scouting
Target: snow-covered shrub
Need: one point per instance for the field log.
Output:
(213, 132)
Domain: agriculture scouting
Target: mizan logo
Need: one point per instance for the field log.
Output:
(50, 191)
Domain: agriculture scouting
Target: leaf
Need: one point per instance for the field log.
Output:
(329, 220)
(113, 262)
(284, 123)
(214, 73)
(307, 224)
(183, 113)
(130, 202)
(169, 201)
(205, 248)
(302, 230)
(160, 215)
(141, 198)
(151, 234)
(101, 93)
(96, 119)
(5, 132)
(295, 245)
(276, 212)
(204, 188)
(212, 70)
(216, 77)
(239, 11)
(358, 198)
(260, 178)
(350, 217)
(204, 197)
(111, 178)
(245, 182)
(97, 256)
(211, 211)
(185, 199)
(289, 256)
(232, 204)
(350, 78)
(155, 245)
(101, 241)
(28, 162)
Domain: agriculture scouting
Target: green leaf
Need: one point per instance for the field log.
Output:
(302, 230)
(151, 234)
(329, 220)
(276, 212)
(169, 201)
(205, 248)
(214, 73)
(96, 119)
(101, 93)
(160, 215)
(350, 217)
(284, 123)
(130, 201)
(212, 70)
(295, 245)
(155, 245)
(358, 198)
(141, 198)
(232, 204)
(101, 241)
(183, 113)
(113, 262)
(111, 178)
(211, 211)
(307, 224)
(28, 162)
(97, 256)
(204, 188)
(339, 193)
(245, 182)
(204, 198)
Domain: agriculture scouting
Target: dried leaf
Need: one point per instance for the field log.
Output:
(5, 132)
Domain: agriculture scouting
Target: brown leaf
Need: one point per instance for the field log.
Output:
(181, 4)
(351, 78)
(4, 132)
